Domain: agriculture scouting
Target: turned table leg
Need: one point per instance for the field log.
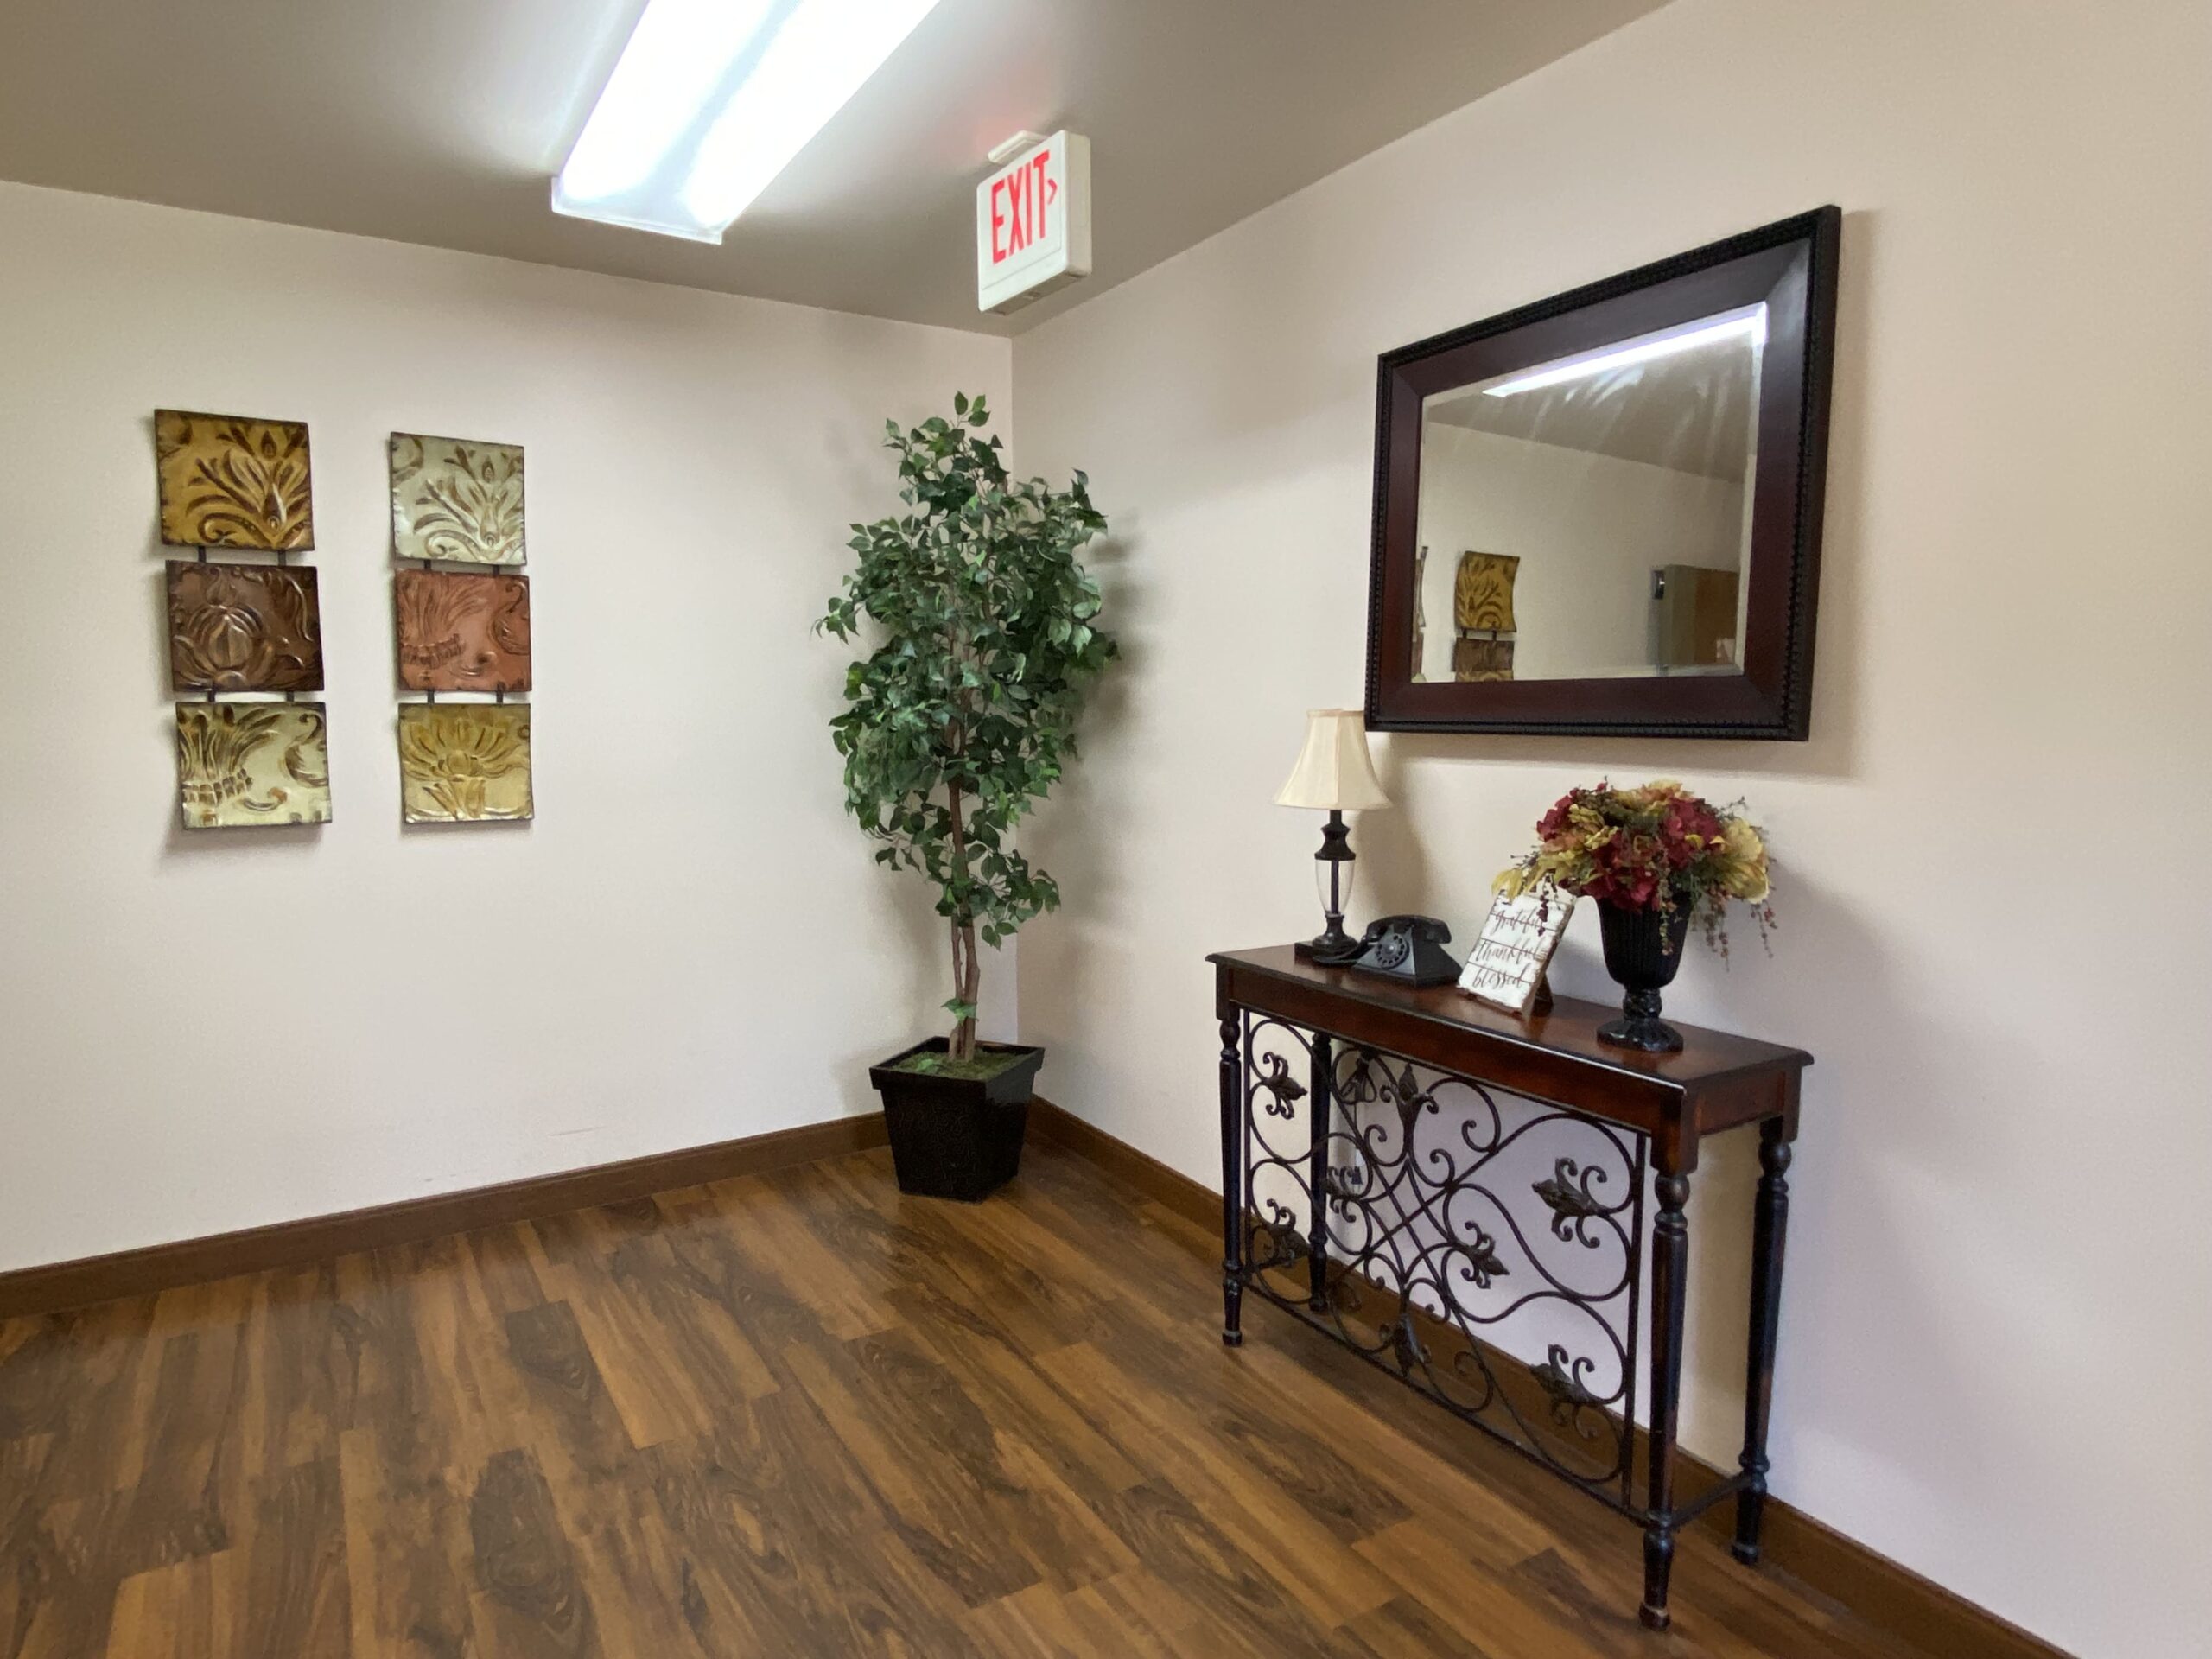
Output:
(1770, 1229)
(1232, 1179)
(1670, 1244)
(1317, 1231)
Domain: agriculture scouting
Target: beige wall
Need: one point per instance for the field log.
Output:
(1997, 1346)
(213, 1030)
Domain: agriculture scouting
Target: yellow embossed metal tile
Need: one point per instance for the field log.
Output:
(229, 481)
(464, 762)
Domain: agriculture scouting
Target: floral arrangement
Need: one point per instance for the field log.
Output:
(1656, 848)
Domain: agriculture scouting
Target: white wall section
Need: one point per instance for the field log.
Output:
(217, 1029)
(1995, 1345)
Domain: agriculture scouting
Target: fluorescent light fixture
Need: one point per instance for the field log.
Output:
(712, 99)
(1705, 331)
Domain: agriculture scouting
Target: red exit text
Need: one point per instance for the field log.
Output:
(1017, 205)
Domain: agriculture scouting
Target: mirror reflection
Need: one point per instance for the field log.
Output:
(1589, 518)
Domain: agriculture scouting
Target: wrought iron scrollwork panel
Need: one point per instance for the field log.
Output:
(1276, 1103)
(1456, 1223)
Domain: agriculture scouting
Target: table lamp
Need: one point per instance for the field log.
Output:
(1335, 775)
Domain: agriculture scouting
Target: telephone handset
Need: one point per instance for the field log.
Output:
(1408, 948)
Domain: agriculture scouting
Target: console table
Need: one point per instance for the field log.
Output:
(1438, 1185)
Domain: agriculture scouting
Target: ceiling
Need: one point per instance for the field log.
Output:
(442, 122)
(1691, 412)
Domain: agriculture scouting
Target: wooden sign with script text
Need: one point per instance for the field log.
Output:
(1507, 962)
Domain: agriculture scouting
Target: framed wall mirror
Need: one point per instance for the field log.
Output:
(1601, 513)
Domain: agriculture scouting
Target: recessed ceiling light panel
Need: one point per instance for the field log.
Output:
(712, 99)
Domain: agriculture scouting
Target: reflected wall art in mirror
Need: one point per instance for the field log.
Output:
(1601, 513)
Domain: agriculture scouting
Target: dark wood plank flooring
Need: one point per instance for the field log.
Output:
(791, 1415)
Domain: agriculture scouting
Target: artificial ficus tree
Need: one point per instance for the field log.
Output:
(960, 719)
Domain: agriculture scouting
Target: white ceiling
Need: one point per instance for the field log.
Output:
(442, 122)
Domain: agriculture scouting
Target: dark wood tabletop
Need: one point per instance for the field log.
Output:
(1719, 1080)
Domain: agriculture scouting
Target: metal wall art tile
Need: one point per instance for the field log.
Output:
(244, 627)
(228, 481)
(252, 763)
(456, 501)
(462, 629)
(464, 762)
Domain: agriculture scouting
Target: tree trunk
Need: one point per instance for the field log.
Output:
(967, 969)
(967, 974)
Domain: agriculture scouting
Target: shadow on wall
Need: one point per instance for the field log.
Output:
(1398, 872)
(1832, 751)
(1085, 837)
(1845, 1194)
(1081, 830)
(239, 840)
(1409, 862)
(1394, 846)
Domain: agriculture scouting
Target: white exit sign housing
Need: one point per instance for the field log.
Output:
(1033, 225)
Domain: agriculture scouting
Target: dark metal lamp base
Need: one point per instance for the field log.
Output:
(1332, 946)
(1332, 949)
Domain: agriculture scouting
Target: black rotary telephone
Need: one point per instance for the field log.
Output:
(1408, 948)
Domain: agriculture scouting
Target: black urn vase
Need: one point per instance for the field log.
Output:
(1643, 950)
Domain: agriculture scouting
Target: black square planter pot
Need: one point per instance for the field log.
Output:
(956, 1137)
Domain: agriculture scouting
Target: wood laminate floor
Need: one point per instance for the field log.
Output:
(791, 1415)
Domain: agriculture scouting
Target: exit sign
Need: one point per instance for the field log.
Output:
(1032, 224)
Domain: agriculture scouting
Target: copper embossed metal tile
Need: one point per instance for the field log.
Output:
(462, 629)
(244, 627)
(229, 481)
(456, 501)
(250, 763)
(464, 762)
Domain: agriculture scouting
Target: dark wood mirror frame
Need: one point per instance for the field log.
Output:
(1792, 266)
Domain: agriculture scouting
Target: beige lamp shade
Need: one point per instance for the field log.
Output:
(1334, 773)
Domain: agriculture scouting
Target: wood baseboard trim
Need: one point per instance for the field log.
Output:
(1883, 1593)
(314, 1238)
(1168, 1187)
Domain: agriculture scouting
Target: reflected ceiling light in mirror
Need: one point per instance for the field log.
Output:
(712, 99)
(1748, 323)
